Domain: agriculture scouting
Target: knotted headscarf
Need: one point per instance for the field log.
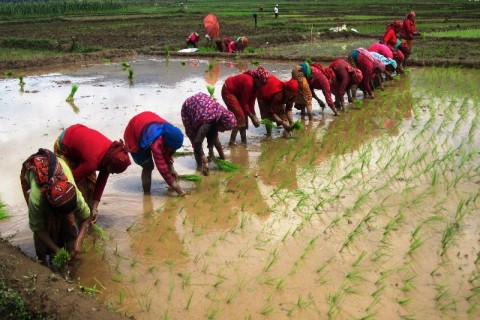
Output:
(394, 25)
(117, 157)
(357, 76)
(306, 70)
(260, 74)
(172, 136)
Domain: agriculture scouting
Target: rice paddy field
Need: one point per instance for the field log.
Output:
(370, 215)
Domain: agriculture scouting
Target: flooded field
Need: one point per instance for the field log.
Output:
(373, 214)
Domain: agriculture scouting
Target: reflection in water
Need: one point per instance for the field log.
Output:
(74, 107)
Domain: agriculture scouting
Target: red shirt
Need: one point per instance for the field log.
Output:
(390, 38)
(242, 86)
(408, 28)
(86, 147)
(342, 78)
(320, 81)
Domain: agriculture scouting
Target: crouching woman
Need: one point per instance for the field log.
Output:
(57, 212)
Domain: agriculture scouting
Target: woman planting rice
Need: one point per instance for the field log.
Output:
(370, 67)
(302, 73)
(346, 76)
(57, 212)
(234, 46)
(151, 139)
(321, 79)
(203, 117)
(239, 93)
(86, 151)
(275, 101)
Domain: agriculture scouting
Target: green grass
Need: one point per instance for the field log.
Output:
(3, 211)
(469, 33)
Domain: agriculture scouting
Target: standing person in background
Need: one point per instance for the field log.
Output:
(239, 94)
(87, 151)
(203, 117)
(275, 11)
(57, 213)
(409, 31)
(192, 39)
(255, 17)
(151, 139)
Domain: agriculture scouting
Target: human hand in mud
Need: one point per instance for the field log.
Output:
(255, 120)
(94, 215)
(178, 189)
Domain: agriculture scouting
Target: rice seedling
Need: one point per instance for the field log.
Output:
(130, 73)
(226, 165)
(297, 125)
(190, 177)
(182, 153)
(3, 211)
(267, 309)
(272, 258)
(121, 297)
(269, 124)
(60, 258)
(211, 313)
(211, 91)
(189, 301)
(125, 64)
(20, 78)
(72, 92)
(99, 230)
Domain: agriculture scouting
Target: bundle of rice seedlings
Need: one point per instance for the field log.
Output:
(125, 64)
(8, 74)
(190, 177)
(211, 90)
(182, 153)
(72, 92)
(20, 78)
(297, 125)
(60, 258)
(357, 102)
(225, 165)
(100, 230)
(267, 123)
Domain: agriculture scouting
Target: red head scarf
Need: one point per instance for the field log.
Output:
(117, 157)
(291, 85)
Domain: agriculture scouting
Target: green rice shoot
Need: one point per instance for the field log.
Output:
(211, 90)
(100, 231)
(20, 78)
(3, 211)
(226, 165)
(297, 125)
(182, 154)
(267, 123)
(60, 258)
(8, 74)
(190, 177)
(72, 92)
(130, 73)
(125, 64)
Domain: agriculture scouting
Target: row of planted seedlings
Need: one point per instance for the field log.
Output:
(356, 211)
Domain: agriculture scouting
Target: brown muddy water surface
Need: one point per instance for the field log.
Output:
(371, 214)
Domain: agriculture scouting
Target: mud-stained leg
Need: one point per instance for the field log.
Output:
(147, 168)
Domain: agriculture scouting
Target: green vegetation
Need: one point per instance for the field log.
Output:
(12, 305)
(3, 211)
(60, 258)
(226, 165)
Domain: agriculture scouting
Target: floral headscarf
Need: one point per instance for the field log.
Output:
(261, 74)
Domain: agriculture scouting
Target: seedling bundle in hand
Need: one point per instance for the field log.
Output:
(225, 165)
(267, 123)
(60, 258)
(100, 230)
(297, 125)
(211, 90)
(190, 177)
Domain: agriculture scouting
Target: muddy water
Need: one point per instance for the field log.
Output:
(371, 214)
